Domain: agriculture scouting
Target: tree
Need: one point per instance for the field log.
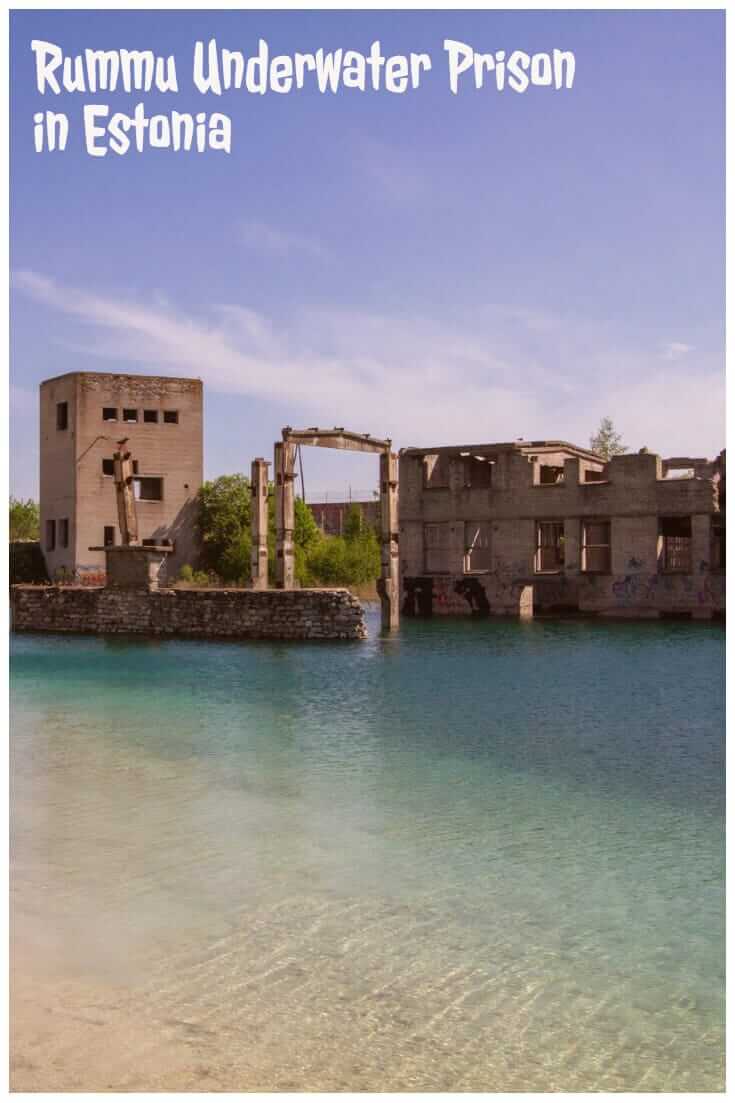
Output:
(349, 559)
(224, 530)
(354, 525)
(224, 526)
(606, 442)
(327, 562)
(306, 533)
(363, 556)
(363, 547)
(24, 519)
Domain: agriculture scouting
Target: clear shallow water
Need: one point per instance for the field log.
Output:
(477, 856)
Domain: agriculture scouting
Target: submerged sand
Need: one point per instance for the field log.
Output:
(230, 873)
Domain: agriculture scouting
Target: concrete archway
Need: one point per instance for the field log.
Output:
(283, 463)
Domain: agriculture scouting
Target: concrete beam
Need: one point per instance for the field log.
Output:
(339, 438)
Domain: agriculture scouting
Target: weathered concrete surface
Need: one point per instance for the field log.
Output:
(389, 581)
(133, 567)
(74, 486)
(259, 524)
(635, 595)
(508, 490)
(283, 467)
(239, 614)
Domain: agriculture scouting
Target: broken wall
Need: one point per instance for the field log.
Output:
(630, 493)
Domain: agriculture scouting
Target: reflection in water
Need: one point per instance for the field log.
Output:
(477, 856)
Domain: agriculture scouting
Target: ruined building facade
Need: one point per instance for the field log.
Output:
(544, 526)
(83, 416)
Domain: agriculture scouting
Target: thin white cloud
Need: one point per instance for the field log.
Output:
(674, 350)
(280, 243)
(492, 375)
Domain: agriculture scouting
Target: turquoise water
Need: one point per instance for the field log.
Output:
(476, 856)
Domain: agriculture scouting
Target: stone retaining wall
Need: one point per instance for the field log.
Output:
(240, 614)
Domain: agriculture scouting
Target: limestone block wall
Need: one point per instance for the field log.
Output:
(239, 614)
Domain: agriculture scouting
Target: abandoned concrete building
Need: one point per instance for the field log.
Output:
(544, 526)
(511, 528)
(83, 416)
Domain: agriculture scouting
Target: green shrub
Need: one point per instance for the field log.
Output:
(234, 563)
(24, 520)
(224, 527)
(327, 561)
(363, 557)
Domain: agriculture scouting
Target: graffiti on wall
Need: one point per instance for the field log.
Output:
(664, 591)
(474, 593)
(500, 594)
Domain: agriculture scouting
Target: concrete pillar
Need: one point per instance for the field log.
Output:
(284, 455)
(701, 547)
(525, 603)
(126, 515)
(457, 547)
(701, 565)
(572, 551)
(456, 474)
(389, 563)
(572, 472)
(259, 524)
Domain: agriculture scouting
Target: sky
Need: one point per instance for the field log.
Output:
(429, 267)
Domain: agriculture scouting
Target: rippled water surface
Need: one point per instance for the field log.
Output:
(476, 856)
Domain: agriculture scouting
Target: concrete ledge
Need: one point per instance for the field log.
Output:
(205, 614)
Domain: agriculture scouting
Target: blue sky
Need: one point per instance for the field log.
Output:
(434, 268)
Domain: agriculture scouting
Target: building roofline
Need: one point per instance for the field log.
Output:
(120, 375)
(505, 446)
